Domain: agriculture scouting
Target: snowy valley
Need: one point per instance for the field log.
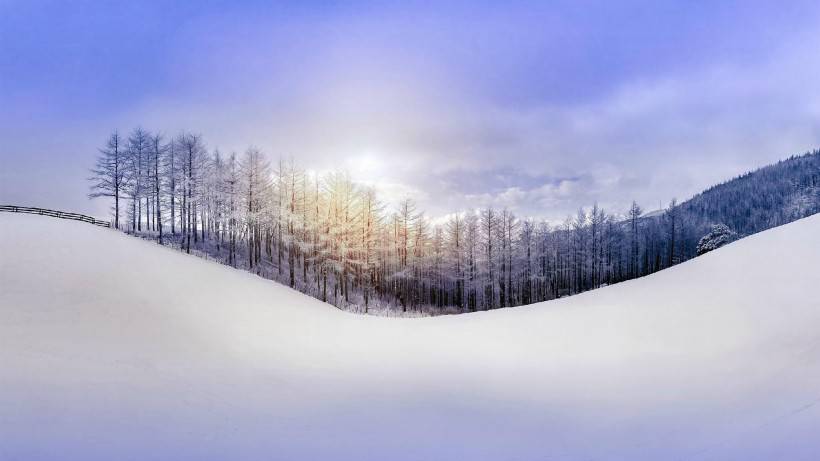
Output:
(117, 348)
(409, 231)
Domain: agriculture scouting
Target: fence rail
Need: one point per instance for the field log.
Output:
(54, 214)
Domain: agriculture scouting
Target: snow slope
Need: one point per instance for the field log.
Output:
(116, 348)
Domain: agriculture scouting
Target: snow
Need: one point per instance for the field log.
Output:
(116, 348)
(654, 213)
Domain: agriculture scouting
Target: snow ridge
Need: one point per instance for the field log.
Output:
(115, 348)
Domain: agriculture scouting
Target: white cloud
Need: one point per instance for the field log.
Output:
(420, 133)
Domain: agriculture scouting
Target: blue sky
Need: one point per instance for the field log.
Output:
(542, 107)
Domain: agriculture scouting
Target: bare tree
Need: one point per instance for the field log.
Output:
(634, 213)
(672, 215)
(192, 149)
(455, 243)
(157, 153)
(489, 228)
(255, 173)
(327, 230)
(109, 174)
(231, 187)
(136, 171)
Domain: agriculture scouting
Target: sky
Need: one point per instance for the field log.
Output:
(542, 107)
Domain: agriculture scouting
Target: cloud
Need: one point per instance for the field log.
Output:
(539, 109)
(652, 140)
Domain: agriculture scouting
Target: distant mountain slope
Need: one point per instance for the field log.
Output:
(768, 197)
(116, 348)
(771, 196)
(753, 202)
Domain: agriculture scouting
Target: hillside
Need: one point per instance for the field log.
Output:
(116, 348)
(750, 203)
(770, 196)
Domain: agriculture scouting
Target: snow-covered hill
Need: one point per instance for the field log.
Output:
(115, 348)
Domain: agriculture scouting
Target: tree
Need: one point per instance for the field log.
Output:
(597, 219)
(405, 223)
(419, 261)
(634, 213)
(172, 179)
(137, 171)
(109, 174)
(672, 214)
(579, 251)
(156, 159)
(527, 246)
(231, 184)
(255, 173)
(717, 237)
(369, 245)
(329, 230)
(455, 256)
(192, 151)
(471, 244)
(489, 228)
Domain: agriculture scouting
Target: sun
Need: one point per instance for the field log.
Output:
(365, 165)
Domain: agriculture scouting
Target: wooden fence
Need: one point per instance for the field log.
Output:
(54, 214)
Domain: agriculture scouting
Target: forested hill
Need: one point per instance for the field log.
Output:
(770, 196)
(332, 238)
(774, 195)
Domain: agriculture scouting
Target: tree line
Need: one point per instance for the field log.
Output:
(332, 238)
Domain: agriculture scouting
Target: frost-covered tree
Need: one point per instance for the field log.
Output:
(369, 246)
(330, 237)
(471, 249)
(137, 149)
(717, 237)
(156, 160)
(456, 257)
(172, 177)
(255, 189)
(230, 188)
(488, 231)
(634, 215)
(109, 177)
(672, 216)
(192, 156)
